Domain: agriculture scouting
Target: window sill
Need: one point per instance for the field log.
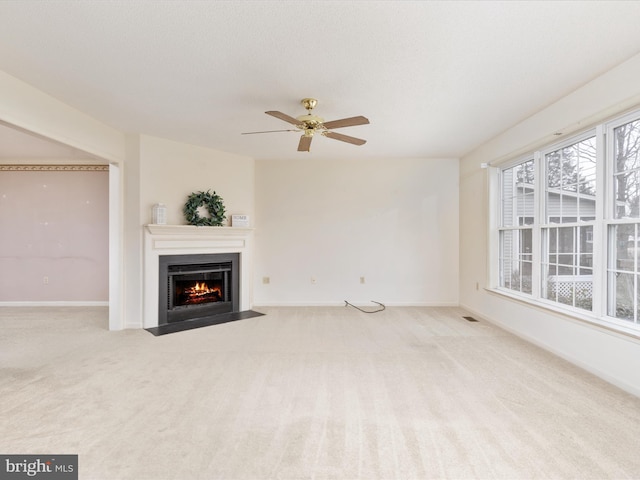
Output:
(605, 324)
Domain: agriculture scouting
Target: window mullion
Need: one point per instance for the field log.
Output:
(610, 290)
(573, 210)
(599, 290)
(537, 220)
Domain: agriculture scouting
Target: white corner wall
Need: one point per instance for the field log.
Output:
(170, 171)
(26, 107)
(30, 109)
(164, 171)
(613, 357)
(392, 221)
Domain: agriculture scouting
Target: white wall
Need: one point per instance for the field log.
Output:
(25, 107)
(159, 170)
(394, 222)
(151, 170)
(610, 355)
(131, 237)
(54, 233)
(28, 108)
(171, 171)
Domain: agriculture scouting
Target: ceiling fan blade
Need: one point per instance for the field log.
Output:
(305, 143)
(346, 122)
(345, 138)
(283, 116)
(268, 131)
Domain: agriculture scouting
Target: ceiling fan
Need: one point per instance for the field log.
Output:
(310, 125)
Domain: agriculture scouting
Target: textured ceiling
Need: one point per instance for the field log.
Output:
(18, 145)
(436, 79)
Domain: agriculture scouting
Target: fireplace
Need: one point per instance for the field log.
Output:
(191, 241)
(196, 286)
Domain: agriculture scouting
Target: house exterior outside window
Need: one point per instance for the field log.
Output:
(517, 219)
(623, 223)
(570, 212)
(567, 225)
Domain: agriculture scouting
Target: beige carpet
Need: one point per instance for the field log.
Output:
(307, 393)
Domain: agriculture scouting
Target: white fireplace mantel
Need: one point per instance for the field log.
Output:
(185, 240)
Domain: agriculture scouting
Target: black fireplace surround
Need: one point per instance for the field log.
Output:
(198, 286)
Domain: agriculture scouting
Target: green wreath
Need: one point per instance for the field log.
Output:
(215, 207)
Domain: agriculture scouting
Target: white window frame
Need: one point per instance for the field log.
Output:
(604, 217)
(609, 215)
(498, 179)
(545, 225)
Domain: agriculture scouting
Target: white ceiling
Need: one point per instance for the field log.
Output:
(16, 144)
(436, 79)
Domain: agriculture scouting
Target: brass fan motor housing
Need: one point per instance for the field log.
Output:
(310, 121)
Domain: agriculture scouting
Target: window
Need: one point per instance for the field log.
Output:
(569, 200)
(624, 227)
(568, 228)
(516, 247)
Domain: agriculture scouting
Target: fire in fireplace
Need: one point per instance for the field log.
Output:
(197, 286)
(192, 293)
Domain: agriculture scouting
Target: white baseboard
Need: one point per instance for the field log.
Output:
(55, 304)
(360, 303)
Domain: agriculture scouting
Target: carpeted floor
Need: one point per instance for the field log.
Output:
(307, 393)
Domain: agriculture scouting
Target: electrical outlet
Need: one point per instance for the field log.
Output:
(313, 280)
(45, 280)
(362, 280)
(266, 280)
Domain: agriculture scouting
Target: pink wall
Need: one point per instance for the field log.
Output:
(54, 236)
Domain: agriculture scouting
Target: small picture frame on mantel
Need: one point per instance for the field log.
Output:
(239, 220)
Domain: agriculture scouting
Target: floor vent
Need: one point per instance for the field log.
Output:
(470, 319)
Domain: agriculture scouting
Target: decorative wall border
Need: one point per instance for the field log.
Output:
(54, 168)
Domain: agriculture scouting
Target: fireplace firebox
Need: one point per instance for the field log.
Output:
(197, 286)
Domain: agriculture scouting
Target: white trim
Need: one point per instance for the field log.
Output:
(359, 303)
(115, 249)
(609, 324)
(602, 136)
(185, 240)
(598, 240)
(493, 232)
(616, 122)
(193, 231)
(610, 219)
(536, 240)
(567, 142)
